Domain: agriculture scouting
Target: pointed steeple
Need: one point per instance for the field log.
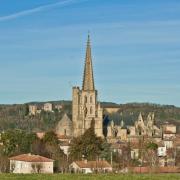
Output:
(140, 118)
(88, 79)
(122, 123)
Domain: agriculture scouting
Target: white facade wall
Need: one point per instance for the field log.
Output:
(168, 144)
(32, 109)
(26, 167)
(168, 136)
(87, 170)
(65, 149)
(134, 153)
(171, 128)
(161, 151)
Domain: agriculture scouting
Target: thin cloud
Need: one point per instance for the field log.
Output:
(38, 9)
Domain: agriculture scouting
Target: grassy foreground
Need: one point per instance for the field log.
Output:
(91, 176)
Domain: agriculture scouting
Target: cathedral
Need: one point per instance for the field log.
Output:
(86, 108)
(85, 105)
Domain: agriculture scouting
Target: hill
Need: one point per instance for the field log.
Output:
(16, 115)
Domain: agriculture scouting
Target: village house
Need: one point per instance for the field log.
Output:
(48, 107)
(135, 151)
(161, 151)
(118, 147)
(58, 107)
(90, 166)
(32, 109)
(168, 143)
(169, 131)
(29, 163)
(169, 127)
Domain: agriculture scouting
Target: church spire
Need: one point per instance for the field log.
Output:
(88, 79)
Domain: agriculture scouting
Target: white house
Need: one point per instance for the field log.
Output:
(169, 127)
(168, 134)
(169, 131)
(161, 151)
(134, 150)
(64, 146)
(90, 166)
(168, 143)
(134, 153)
(29, 163)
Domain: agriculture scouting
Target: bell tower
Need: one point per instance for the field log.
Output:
(85, 106)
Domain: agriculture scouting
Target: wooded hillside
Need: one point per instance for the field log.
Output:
(16, 116)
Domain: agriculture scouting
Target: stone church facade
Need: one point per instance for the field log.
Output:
(86, 108)
(85, 105)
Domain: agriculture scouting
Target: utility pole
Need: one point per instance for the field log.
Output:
(111, 158)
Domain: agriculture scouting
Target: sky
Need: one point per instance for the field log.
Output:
(135, 49)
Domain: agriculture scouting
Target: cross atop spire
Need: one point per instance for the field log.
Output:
(88, 79)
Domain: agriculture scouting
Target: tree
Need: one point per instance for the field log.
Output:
(53, 151)
(105, 151)
(151, 154)
(37, 167)
(50, 137)
(17, 141)
(88, 145)
(4, 161)
(12, 167)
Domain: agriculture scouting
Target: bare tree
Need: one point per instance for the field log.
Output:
(37, 167)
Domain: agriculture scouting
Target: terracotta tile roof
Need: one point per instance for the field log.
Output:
(62, 137)
(172, 169)
(40, 135)
(93, 164)
(177, 141)
(30, 158)
(169, 132)
(64, 143)
(135, 145)
(118, 145)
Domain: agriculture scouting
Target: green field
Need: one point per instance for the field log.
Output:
(93, 176)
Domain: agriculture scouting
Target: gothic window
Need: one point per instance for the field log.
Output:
(91, 100)
(91, 110)
(85, 113)
(64, 131)
(85, 99)
(96, 113)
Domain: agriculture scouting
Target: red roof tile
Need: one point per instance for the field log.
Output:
(169, 169)
(30, 158)
(93, 164)
(169, 132)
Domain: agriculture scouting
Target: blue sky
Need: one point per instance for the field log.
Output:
(135, 48)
